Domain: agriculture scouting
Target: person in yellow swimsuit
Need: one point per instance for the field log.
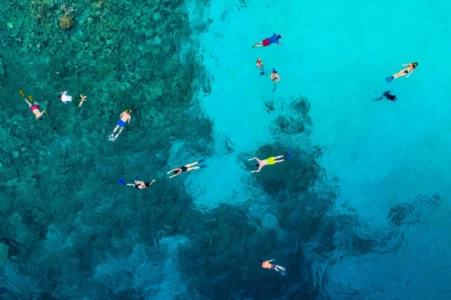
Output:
(271, 160)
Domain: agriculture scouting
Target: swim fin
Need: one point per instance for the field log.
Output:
(389, 79)
(203, 166)
(282, 272)
(121, 181)
(202, 160)
(286, 155)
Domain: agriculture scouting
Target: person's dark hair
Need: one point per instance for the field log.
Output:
(415, 64)
(258, 165)
(147, 184)
(279, 36)
(40, 119)
(59, 96)
(260, 261)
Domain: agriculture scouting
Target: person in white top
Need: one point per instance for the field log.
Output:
(68, 98)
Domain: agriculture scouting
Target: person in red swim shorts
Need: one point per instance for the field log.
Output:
(268, 41)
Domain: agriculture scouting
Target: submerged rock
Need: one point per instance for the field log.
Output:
(66, 22)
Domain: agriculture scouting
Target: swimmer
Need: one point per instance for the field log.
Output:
(124, 118)
(35, 108)
(407, 71)
(138, 184)
(275, 78)
(386, 95)
(187, 168)
(267, 265)
(271, 160)
(67, 98)
(268, 41)
(261, 66)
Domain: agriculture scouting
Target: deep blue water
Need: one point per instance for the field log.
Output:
(361, 212)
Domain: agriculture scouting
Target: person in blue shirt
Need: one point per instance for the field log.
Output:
(268, 41)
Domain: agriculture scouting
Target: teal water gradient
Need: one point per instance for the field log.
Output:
(361, 212)
(338, 54)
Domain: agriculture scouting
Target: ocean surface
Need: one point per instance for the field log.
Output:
(360, 212)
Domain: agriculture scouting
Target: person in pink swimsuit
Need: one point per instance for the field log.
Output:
(35, 109)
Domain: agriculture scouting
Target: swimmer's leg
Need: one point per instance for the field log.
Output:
(280, 269)
(115, 128)
(195, 163)
(259, 44)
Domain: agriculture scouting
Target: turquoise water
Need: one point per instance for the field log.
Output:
(360, 213)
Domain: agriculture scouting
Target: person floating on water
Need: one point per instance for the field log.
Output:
(275, 78)
(268, 265)
(33, 107)
(67, 98)
(386, 95)
(187, 168)
(407, 71)
(261, 66)
(268, 41)
(271, 160)
(138, 184)
(124, 118)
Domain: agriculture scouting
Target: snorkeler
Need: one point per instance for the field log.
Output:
(275, 78)
(271, 160)
(267, 265)
(261, 66)
(386, 95)
(187, 168)
(67, 98)
(138, 184)
(124, 118)
(33, 107)
(407, 71)
(268, 41)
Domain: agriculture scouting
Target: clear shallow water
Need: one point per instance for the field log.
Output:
(360, 232)
(338, 54)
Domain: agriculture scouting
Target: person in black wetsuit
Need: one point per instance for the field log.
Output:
(187, 168)
(386, 95)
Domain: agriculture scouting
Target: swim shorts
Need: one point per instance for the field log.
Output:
(265, 42)
(33, 107)
(121, 123)
(271, 160)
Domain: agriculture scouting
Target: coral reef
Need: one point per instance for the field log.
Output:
(66, 22)
(3, 253)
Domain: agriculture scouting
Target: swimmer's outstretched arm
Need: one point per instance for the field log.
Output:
(259, 168)
(152, 182)
(83, 98)
(253, 158)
